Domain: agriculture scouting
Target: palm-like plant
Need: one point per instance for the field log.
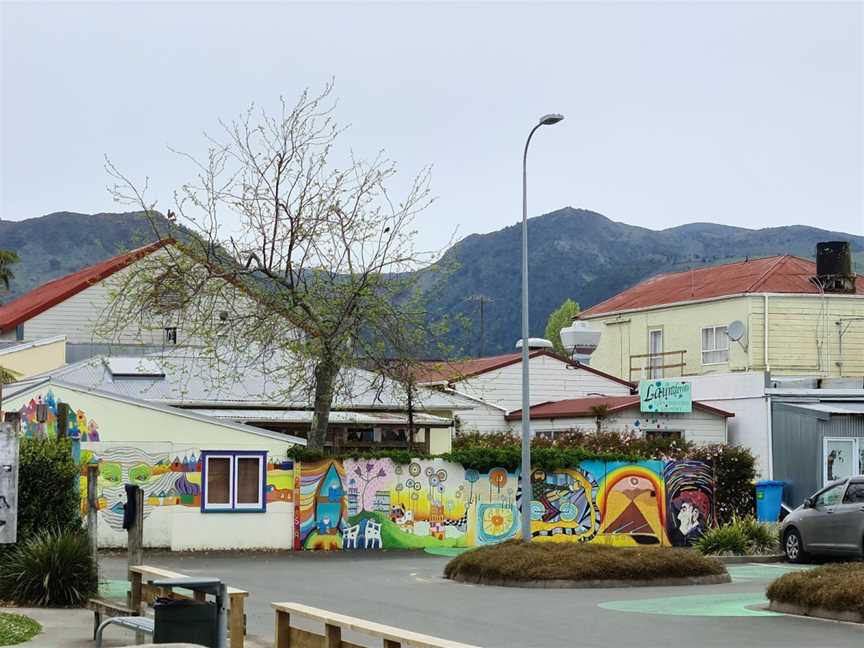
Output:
(7, 258)
(6, 376)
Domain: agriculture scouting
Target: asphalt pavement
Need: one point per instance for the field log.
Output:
(406, 589)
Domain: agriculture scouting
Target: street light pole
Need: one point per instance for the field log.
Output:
(546, 120)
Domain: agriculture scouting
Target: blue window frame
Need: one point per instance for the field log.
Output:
(233, 481)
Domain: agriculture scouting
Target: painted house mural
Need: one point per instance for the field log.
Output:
(376, 504)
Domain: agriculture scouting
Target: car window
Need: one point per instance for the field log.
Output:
(831, 496)
(854, 494)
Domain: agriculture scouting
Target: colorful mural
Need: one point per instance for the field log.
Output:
(170, 478)
(77, 423)
(374, 504)
(689, 500)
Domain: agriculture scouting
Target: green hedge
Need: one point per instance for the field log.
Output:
(47, 496)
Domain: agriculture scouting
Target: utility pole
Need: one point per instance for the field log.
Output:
(483, 300)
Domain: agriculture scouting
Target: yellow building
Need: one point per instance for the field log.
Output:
(790, 319)
(27, 359)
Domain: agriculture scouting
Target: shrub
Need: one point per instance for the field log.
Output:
(833, 587)
(734, 474)
(740, 537)
(47, 497)
(515, 560)
(53, 567)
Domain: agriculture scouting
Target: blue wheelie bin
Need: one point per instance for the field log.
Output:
(769, 496)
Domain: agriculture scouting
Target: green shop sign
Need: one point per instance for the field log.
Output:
(665, 396)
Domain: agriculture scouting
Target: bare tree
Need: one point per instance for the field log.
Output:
(288, 254)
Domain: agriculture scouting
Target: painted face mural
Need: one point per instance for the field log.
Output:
(689, 500)
(165, 480)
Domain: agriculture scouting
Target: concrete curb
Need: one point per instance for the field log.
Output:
(588, 584)
(821, 613)
(744, 560)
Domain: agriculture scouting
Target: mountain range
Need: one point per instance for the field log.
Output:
(573, 253)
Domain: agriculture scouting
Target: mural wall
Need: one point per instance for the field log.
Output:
(77, 421)
(375, 504)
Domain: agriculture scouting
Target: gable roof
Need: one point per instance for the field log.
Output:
(777, 274)
(52, 293)
(578, 407)
(452, 371)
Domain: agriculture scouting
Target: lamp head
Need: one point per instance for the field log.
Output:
(553, 118)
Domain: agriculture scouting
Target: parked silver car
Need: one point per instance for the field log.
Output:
(829, 523)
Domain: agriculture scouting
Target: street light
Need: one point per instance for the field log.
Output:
(545, 120)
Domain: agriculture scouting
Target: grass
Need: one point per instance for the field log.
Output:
(838, 586)
(392, 537)
(741, 537)
(514, 560)
(17, 628)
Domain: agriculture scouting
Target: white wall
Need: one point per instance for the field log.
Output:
(743, 394)
(551, 380)
(699, 427)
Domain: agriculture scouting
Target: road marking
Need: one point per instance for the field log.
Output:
(712, 605)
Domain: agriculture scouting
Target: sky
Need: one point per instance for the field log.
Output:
(748, 114)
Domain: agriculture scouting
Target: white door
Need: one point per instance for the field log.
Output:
(840, 458)
(655, 348)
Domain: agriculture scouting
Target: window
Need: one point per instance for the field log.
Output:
(715, 345)
(655, 348)
(171, 335)
(830, 496)
(663, 434)
(840, 458)
(19, 332)
(233, 481)
(855, 493)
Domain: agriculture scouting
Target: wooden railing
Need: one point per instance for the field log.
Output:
(142, 593)
(287, 636)
(655, 361)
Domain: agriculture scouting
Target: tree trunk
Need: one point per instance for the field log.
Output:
(325, 380)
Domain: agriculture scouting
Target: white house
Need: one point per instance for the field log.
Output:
(702, 426)
(494, 385)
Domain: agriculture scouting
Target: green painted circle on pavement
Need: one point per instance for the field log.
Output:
(717, 605)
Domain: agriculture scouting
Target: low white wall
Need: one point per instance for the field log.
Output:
(274, 529)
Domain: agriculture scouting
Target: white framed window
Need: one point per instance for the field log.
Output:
(715, 345)
(233, 481)
(655, 348)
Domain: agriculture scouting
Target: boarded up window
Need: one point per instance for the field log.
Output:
(219, 480)
(248, 480)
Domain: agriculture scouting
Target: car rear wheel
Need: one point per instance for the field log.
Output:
(793, 547)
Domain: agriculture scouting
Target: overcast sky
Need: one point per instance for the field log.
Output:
(744, 114)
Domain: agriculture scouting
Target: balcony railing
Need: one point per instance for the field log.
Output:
(665, 364)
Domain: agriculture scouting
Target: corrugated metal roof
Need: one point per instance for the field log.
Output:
(848, 407)
(777, 274)
(336, 417)
(52, 293)
(577, 407)
(452, 371)
(191, 379)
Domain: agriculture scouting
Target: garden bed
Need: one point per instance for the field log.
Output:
(567, 564)
(831, 591)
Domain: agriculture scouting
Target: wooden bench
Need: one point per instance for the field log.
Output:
(144, 593)
(139, 624)
(103, 608)
(291, 637)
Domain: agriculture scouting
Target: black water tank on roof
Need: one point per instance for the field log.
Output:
(833, 258)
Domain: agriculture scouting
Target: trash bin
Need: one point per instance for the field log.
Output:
(769, 497)
(185, 621)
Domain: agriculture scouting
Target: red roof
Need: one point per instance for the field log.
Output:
(577, 407)
(52, 293)
(455, 370)
(777, 274)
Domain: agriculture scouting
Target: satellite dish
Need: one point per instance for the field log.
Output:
(735, 330)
